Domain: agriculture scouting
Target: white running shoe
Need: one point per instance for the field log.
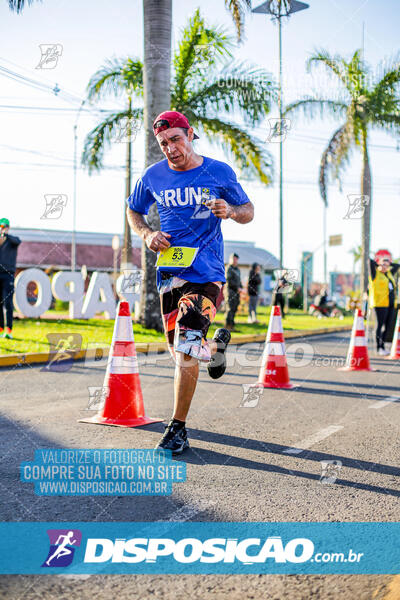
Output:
(383, 352)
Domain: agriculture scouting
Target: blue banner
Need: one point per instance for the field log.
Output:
(177, 547)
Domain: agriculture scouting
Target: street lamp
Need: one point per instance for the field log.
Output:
(279, 9)
(73, 237)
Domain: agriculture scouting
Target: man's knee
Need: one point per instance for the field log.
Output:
(185, 360)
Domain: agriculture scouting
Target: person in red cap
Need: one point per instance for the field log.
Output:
(194, 193)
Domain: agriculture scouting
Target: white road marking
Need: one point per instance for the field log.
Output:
(186, 512)
(314, 439)
(382, 403)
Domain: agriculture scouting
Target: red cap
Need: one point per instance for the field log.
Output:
(170, 118)
(382, 255)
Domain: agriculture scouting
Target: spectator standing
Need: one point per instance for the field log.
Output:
(234, 287)
(382, 296)
(8, 262)
(253, 289)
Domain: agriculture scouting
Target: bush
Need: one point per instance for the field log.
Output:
(61, 305)
(296, 300)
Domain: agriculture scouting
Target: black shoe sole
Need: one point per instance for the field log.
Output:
(216, 371)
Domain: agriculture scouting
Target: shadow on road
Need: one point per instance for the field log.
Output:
(240, 442)
(200, 456)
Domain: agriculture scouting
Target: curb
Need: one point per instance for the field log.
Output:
(158, 347)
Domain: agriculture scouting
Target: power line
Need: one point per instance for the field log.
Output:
(56, 109)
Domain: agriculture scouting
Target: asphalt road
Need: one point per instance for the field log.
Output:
(246, 463)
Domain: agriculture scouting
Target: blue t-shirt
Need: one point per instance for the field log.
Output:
(179, 196)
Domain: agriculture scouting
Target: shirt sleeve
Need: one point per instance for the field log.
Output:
(232, 191)
(14, 240)
(141, 198)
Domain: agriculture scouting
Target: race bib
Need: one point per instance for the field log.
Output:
(176, 256)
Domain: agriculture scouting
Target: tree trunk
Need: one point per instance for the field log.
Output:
(126, 254)
(366, 190)
(157, 19)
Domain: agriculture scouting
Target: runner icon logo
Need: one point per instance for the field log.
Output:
(63, 543)
(97, 397)
(62, 350)
(330, 470)
(251, 395)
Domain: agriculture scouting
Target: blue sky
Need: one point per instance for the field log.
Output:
(36, 146)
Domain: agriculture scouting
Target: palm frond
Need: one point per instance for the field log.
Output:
(101, 137)
(334, 64)
(384, 96)
(246, 151)
(242, 88)
(357, 74)
(116, 76)
(391, 76)
(311, 107)
(19, 5)
(237, 8)
(198, 51)
(335, 158)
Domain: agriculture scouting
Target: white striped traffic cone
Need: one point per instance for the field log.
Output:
(395, 350)
(357, 355)
(274, 371)
(123, 406)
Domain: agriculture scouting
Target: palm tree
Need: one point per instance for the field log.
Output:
(367, 103)
(157, 27)
(206, 93)
(201, 89)
(117, 77)
(356, 252)
(208, 89)
(157, 23)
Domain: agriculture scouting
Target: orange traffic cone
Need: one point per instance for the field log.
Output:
(274, 371)
(357, 355)
(123, 406)
(395, 350)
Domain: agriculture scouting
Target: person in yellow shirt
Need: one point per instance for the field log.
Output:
(382, 296)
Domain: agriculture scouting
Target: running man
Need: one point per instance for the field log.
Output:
(192, 272)
(62, 549)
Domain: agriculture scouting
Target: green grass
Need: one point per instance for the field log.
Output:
(30, 334)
